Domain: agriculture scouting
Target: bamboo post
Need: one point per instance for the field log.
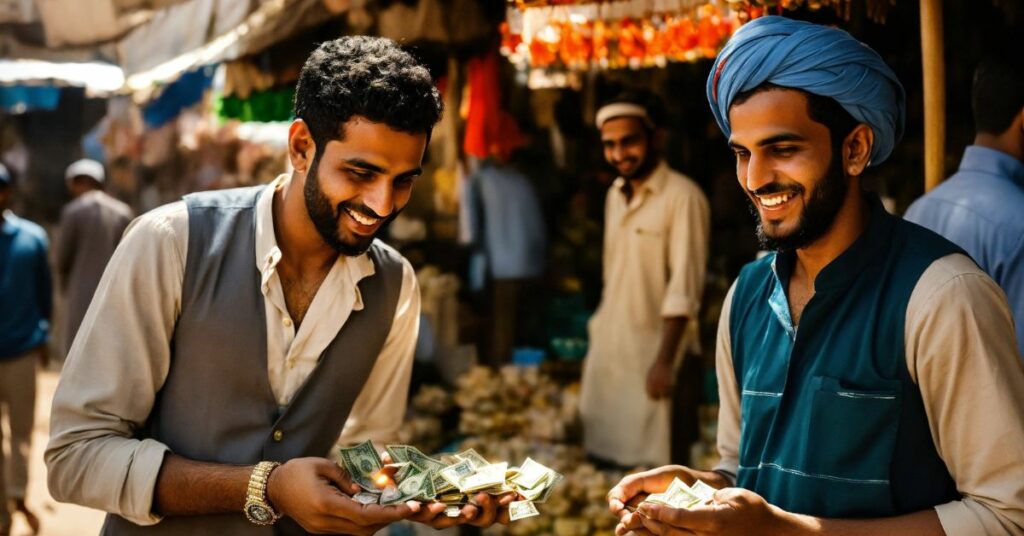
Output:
(934, 77)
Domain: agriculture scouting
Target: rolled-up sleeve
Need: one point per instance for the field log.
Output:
(379, 409)
(962, 353)
(114, 370)
(687, 253)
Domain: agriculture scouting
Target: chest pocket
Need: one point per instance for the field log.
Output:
(854, 435)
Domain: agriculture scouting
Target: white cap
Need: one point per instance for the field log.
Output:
(85, 167)
(622, 109)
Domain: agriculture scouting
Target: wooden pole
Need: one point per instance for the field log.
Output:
(934, 72)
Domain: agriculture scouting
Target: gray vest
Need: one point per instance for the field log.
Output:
(216, 404)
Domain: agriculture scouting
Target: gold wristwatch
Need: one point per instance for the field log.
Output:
(257, 507)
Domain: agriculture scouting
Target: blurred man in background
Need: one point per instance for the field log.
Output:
(980, 207)
(657, 225)
(25, 292)
(90, 228)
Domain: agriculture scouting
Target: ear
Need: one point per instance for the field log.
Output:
(301, 147)
(856, 149)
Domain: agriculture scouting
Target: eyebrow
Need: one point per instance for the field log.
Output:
(779, 138)
(624, 139)
(363, 164)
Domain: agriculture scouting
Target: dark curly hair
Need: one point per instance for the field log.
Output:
(370, 77)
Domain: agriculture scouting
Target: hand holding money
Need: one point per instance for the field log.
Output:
(306, 490)
(734, 511)
(636, 488)
(463, 488)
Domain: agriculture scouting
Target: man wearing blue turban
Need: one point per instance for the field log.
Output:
(867, 369)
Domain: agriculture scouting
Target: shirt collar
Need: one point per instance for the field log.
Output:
(990, 161)
(654, 184)
(9, 225)
(268, 254)
(869, 247)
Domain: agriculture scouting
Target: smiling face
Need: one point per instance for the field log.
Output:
(358, 184)
(786, 165)
(628, 147)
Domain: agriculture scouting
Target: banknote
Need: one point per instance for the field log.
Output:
(397, 453)
(362, 464)
(521, 509)
(416, 484)
(530, 474)
(485, 477)
(475, 459)
(703, 491)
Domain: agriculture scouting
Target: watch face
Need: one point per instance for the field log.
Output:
(260, 513)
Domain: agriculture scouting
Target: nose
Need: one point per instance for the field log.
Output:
(380, 198)
(757, 173)
(615, 153)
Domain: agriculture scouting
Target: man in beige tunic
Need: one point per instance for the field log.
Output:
(655, 253)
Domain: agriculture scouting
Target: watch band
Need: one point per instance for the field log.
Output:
(257, 507)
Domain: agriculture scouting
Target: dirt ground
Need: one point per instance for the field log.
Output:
(56, 519)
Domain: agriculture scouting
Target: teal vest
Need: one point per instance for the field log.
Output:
(831, 423)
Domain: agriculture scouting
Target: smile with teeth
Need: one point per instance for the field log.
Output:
(775, 200)
(362, 219)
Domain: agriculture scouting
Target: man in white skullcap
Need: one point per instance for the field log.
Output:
(657, 223)
(90, 228)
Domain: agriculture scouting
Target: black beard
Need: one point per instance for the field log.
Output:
(325, 217)
(817, 217)
(646, 167)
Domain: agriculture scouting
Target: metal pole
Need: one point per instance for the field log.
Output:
(934, 72)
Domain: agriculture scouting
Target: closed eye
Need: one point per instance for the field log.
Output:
(360, 174)
(405, 180)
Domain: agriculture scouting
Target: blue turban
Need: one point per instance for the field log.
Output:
(816, 59)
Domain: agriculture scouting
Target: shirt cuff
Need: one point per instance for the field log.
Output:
(141, 483)
(679, 305)
(728, 469)
(957, 519)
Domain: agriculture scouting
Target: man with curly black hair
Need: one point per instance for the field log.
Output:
(238, 335)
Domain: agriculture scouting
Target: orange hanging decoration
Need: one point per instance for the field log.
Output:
(631, 42)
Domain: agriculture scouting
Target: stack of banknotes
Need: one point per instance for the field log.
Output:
(680, 495)
(451, 480)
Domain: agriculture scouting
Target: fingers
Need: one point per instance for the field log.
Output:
(373, 514)
(339, 477)
(655, 527)
(490, 510)
(701, 518)
(628, 488)
(630, 522)
(432, 514)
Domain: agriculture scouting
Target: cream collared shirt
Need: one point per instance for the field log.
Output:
(122, 355)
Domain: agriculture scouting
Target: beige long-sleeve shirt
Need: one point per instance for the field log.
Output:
(121, 359)
(961, 352)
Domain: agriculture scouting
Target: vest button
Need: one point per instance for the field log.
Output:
(278, 435)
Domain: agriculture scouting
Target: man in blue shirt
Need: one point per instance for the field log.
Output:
(25, 292)
(981, 207)
(867, 372)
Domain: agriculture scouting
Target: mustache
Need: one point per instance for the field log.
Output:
(360, 208)
(776, 188)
